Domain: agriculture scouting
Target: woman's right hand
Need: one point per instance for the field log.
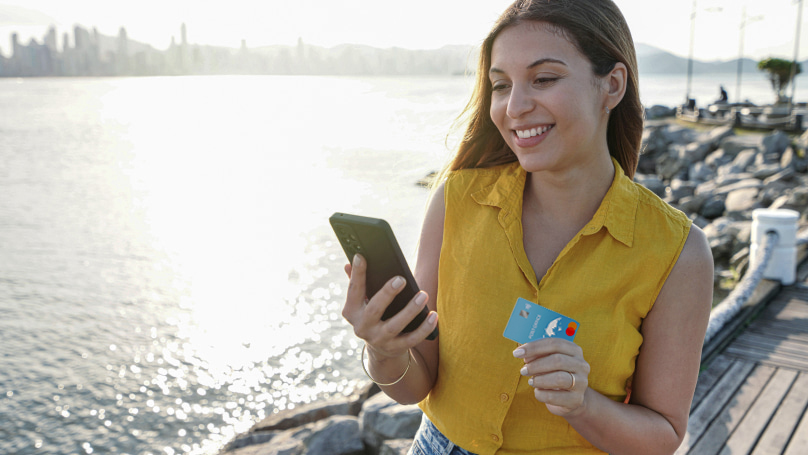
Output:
(384, 339)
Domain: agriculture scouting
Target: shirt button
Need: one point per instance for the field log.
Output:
(495, 438)
(504, 397)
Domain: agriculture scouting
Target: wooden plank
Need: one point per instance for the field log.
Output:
(780, 329)
(709, 377)
(760, 352)
(777, 434)
(783, 316)
(779, 336)
(758, 344)
(793, 306)
(770, 358)
(714, 402)
(774, 360)
(764, 341)
(743, 439)
(799, 441)
(731, 415)
(762, 295)
(790, 293)
(793, 336)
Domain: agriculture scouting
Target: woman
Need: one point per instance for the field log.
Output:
(538, 203)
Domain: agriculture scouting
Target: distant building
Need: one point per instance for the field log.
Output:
(89, 53)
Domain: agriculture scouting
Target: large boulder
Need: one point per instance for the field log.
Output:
(713, 208)
(793, 159)
(776, 143)
(338, 435)
(302, 415)
(733, 145)
(382, 419)
(742, 200)
(657, 112)
(651, 182)
(395, 447)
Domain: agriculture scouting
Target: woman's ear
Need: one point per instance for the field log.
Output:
(616, 80)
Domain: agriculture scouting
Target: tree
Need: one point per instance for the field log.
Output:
(780, 75)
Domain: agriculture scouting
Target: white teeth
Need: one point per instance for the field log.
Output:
(524, 134)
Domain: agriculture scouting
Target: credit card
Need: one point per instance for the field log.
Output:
(530, 322)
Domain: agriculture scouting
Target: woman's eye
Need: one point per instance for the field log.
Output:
(545, 81)
(498, 87)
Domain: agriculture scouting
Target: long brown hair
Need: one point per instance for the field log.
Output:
(599, 31)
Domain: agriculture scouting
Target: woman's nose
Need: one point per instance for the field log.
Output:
(519, 102)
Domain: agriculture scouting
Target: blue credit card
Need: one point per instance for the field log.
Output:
(530, 322)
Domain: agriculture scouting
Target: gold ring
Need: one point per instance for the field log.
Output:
(572, 376)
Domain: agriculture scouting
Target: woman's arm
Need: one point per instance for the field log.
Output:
(387, 350)
(655, 420)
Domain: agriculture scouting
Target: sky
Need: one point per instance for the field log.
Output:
(769, 30)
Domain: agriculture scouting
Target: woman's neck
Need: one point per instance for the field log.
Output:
(571, 197)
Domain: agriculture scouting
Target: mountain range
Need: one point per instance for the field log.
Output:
(653, 60)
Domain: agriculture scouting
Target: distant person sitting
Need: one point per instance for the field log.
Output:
(723, 97)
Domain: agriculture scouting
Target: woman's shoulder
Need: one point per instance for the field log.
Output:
(651, 202)
(490, 172)
(474, 179)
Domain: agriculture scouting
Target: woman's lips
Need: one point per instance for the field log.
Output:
(532, 136)
(526, 134)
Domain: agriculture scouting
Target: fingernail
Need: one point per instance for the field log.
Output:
(530, 382)
(357, 259)
(523, 371)
(518, 353)
(398, 282)
(420, 299)
(432, 318)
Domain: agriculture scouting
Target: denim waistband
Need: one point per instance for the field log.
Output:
(430, 441)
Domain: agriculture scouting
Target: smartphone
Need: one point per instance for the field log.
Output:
(374, 240)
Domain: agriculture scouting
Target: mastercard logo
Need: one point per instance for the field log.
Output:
(571, 328)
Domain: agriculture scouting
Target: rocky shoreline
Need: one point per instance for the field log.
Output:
(368, 422)
(718, 176)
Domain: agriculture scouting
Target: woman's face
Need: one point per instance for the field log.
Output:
(546, 101)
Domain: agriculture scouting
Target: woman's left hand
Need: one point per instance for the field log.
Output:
(558, 374)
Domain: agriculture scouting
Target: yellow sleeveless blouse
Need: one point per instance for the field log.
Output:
(607, 278)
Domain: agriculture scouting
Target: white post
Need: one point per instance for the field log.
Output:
(783, 263)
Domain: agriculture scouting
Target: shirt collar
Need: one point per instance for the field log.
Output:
(617, 212)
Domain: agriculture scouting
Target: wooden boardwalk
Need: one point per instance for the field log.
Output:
(753, 395)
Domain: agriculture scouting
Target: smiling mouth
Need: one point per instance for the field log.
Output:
(525, 134)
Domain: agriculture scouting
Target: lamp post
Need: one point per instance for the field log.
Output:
(690, 54)
(796, 56)
(692, 43)
(744, 21)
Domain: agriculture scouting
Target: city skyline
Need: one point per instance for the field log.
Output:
(83, 52)
(89, 53)
(769, 28)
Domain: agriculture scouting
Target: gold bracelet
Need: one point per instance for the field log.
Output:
(409, 357)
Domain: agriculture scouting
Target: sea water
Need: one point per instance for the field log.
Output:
(167, 273)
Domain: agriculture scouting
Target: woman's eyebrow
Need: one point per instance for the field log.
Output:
(538, 62)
